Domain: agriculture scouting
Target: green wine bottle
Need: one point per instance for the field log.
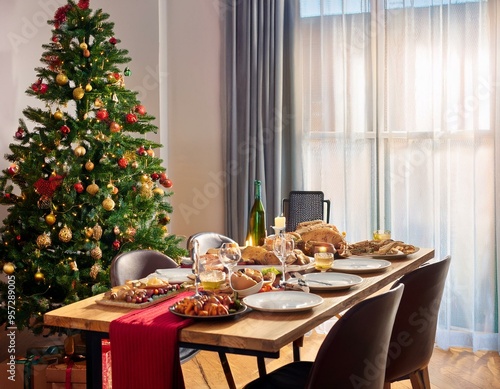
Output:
(256, 235)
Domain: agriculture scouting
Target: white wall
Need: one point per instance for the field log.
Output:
(180, 36)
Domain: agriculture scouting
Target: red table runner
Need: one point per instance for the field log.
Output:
(144, 344)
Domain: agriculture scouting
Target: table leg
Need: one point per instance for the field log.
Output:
(261, 366)
(297, 344)
(94, 358)
(227, 369)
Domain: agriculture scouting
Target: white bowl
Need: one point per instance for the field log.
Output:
(252, 290)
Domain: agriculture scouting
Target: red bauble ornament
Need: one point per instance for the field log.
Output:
(19, 133)
(131, 118)
(18, 238)
(113, 40)
(141, 151)
(167, 183)
(65, 130)
(55, 38)
(140, 109)
(43, 89)
(79, 187)
(102, 114)
(155, 176)
(13, 169)
(114, 127)
(116, 245)
(163, 176)
(83, 4)
(122, 162)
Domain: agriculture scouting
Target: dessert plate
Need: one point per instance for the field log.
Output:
(360, 265)
(329, 280)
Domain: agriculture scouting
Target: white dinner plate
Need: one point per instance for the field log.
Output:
(287, 301)
(289, 268)
(335, 281)
(360, 265)
(176, 275)
(397, 255)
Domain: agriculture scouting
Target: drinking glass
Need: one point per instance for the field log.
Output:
(283, 245)
(324, 255)
(230, 255)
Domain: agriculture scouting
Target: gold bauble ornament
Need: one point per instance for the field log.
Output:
(9, 268)
(88, 87)
(43, 241)
(65, 234)
(89, 231)
(50, 219)
(39, 276)
(98, 103)
(94, 270)
(83, 46)
(89, 166)
(145, 178)
(92, 189)
(158, 191)
(108, 204)
(80, 151)
(58, 115)
(150, 152)
(146, 192)
(78, 93)
(96, 253)
(97, 232)
(61, 79)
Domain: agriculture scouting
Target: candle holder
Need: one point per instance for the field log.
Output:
(283, 246)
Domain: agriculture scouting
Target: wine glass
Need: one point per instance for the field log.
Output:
(283, 245)
(230, 255)
(195, 256)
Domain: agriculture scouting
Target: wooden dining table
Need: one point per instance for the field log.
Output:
(258, 333)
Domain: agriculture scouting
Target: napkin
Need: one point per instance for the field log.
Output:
(145, 347)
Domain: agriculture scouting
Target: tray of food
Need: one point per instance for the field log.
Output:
(208, 307)
(138, 294)
(381, 249)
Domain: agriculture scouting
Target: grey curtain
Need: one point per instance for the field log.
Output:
(257, 115)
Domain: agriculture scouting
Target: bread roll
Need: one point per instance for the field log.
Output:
(241, 281)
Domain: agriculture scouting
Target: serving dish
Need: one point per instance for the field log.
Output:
(242, 309)
(397, 255)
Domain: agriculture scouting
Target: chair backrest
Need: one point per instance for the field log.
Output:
(208, 240)
(354, 353)
(301, 206)
(414, 332)
(133, 265)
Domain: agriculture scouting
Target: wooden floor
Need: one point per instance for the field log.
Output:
(456, 368)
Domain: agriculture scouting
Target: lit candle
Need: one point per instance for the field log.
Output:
(321, 249)
(279, 221)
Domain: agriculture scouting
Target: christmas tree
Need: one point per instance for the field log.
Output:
(82, 184)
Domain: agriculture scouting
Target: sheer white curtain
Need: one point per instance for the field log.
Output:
(399, 126)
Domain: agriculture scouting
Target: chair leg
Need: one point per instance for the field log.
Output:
(420, 379)
(387, 385)
(227, 370)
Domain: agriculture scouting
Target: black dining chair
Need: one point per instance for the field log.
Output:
(302, 206)
(137, 264)
(414, 332)
(352, 355)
